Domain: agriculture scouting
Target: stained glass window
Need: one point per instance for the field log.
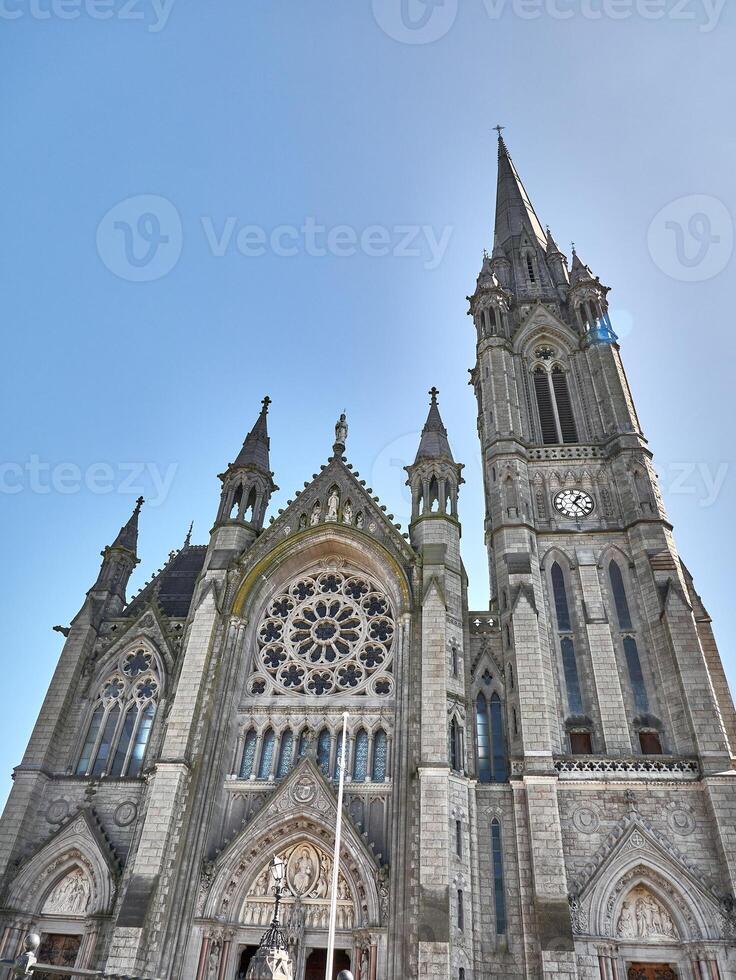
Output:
(572, 680)
(323, 751)
(338, 757)
(108, 733)
(287, 747)
(619, 596)
(567, 646)
(498, 883)
(141, 739)
(360, 765)
(380, 747)
(328, 632)
(94, 727)
(118, 764)
(636, 674)
(560, 593)
(249, 755)
(122, 718)
(267, 746)
(498, 734)
(484, 740)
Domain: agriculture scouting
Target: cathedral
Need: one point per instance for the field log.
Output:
(544, 788)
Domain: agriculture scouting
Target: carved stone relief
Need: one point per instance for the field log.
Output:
(643, 917)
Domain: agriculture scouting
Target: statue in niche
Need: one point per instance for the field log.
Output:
(303, 870)
(316, 513)
(70, 896)
(347, 513)
(333, 504)
(364, 964)
(359, 521)
(260, 888)
(322, 888)
(302, 522)
(213, 964)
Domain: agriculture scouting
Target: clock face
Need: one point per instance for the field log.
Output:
(574, 503)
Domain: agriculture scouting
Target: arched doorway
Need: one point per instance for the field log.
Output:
(317, 964)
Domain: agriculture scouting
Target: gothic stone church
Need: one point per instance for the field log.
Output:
(544, 789)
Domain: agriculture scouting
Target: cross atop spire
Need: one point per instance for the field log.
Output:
(499, 130)
(266, 402)
(434, 440)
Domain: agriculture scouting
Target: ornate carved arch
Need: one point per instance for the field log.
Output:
(75, 847)
(276, 829)
(639, 859)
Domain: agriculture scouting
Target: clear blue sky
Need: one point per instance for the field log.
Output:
(272, 113)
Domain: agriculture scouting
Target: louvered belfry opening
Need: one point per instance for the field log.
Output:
(546, 409)
(564, 406)
(555, 416)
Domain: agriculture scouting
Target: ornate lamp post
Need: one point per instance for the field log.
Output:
(273, 938)
(272, 961)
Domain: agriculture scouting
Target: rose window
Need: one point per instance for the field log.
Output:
(327, 633)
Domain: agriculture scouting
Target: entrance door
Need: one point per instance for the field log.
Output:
(246, 956)
(57, 949)
(651, 971)
(317, 964)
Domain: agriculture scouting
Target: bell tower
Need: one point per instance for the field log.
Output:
(596, 615)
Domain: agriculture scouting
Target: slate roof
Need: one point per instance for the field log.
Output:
(173, 586)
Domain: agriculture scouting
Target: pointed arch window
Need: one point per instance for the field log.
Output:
(566, 641)
(249, 755)
(556, 416)
(531, 271)
(499, 890)
(628, 639)
(360, 763)
(457, 749)
(380, 757)
(338, 758)
(491, 739)
(285, 753)
(266, 760)
(323, 751)
(122, 717)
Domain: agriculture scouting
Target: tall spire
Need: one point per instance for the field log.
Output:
(434, 443)
(255, 451)
(515, 213)
(128, 534)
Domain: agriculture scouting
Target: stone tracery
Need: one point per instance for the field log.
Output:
(328, 632)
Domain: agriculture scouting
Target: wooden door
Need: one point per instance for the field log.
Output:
(651, 971)
(57, 949)
(317, 964)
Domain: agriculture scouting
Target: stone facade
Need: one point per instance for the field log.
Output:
(541, 789)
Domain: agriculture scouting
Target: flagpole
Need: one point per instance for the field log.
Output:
(336, 857)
